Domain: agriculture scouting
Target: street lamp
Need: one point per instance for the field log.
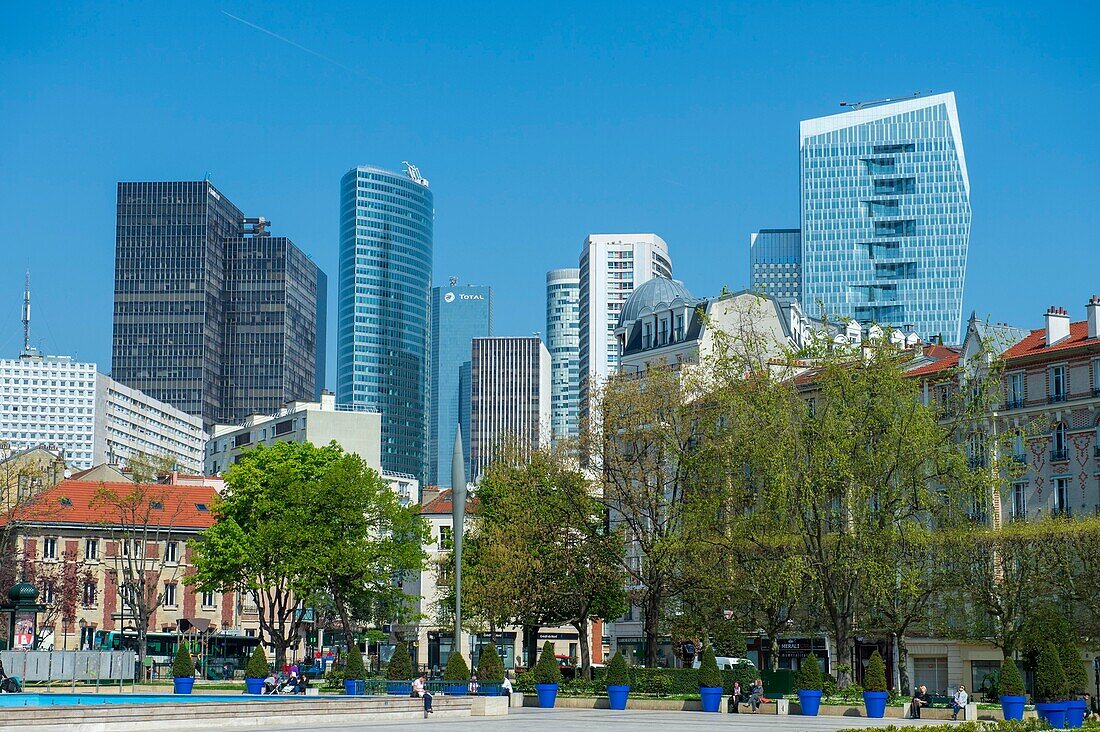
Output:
(458, 518)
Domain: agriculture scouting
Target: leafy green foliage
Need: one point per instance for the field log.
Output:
(182, 666)
(489, 666)
(400, 665)
(1050, 679)
(1077, 678)
(353, 666)
(809, 677)
(1027, 725)
(456, 670)
(547, 671)
(1011, 682)
(874, 677)
(709, 677)
(257, 667)
(617, 672)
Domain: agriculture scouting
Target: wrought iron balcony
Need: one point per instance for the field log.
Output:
(1059, 456)
(1056, 398)
(1013, 404)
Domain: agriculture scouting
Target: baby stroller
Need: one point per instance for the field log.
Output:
(10, 685)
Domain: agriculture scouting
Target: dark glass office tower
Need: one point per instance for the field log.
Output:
(174, 288)
(386, 222)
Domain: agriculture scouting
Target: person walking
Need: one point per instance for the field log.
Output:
(735, 698)
(756, 696)
(421, 690)
(959, 702)
(920, 699)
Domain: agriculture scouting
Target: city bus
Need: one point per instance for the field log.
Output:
(217, 656)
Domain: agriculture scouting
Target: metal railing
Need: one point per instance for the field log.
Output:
(70, 667)
(1059, 456)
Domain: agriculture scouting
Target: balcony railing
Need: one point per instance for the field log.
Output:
(1056, 398)
(1020, 458)
(1014, 403)
(1059, 456)
(1096, 452)
(975, 462)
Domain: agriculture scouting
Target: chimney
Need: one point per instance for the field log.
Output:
(1092, 311)
(1057, 325)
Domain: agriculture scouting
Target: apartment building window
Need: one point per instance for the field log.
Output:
(1019, 500)
(446, 538)
(1058, 385)
(1096, 377)
(647, 337)
(170, 594)
(49, 592)
(679, 328)
(91, 550)
(664, 331)
(207, 598)
(1058, 443)
(1018, 451)
(87, 596)
(49, 548)
(171, 552)
(1061, 495)
(1015, 391)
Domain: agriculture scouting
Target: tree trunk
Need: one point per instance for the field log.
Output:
(586, 655)
(903, 671)
(651, 616)
(531, 644)
(345, 620)
(844, 650)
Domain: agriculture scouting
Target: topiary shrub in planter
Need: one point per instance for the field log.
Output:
(256, 671)
(808, 683)
(183, 671)
(1050, 687)
(1077, 678)
(456, 677)
(354, 673)
(1013, 696)
(547, 675)
(399, 672)
(710, 682)
(874, 687)
(490, 671)
(618, 682)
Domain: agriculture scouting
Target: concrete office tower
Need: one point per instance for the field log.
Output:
(611, 266)
(386, 222)
(185, 256)
(886, 215)
(459, 313)
(509, 396)
(563, 291)
(775, 264)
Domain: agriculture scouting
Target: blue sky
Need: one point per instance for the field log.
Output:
(536, 124)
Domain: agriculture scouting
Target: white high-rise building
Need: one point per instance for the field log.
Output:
(563, 324)
(611, 266)
(129, 422)
(509, 396)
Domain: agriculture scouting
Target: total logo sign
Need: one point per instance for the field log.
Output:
(450, 297)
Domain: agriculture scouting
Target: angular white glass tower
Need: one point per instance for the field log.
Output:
(563, 289)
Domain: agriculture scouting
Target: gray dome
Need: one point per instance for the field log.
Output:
(646, 298)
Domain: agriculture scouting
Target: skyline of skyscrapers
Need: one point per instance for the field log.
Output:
(386, 249)
(459, 313)
(563, 325)
(211, 314)
(885, 202)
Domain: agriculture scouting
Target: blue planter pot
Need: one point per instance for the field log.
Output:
(399, 688)
(450, 688)
(617, 696)
(490, 689)
(182, 685)
(1013, 707)
(548, 694)
(254, 686)
(809, 700)
(1075, 713)
(875, 703)
(354, 687)
(711, 697)
(1054, 713)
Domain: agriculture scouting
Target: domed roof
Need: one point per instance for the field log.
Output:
(646, 297)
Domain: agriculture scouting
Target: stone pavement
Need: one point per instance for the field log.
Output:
(578, 720)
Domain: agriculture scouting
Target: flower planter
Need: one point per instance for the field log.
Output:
(809, 700)
(456, 688)
(548, 694)
(399, 688)
(1013, 706)
(1053, 713)
(711, 698)
(1075, 713)
(354, 687)
(617, 696)
(182, 685)
(253, 686)
(875, 703)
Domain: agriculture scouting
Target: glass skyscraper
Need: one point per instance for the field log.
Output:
(775, 263)
(211, 314)
(386, 222)
(459, 313)
(886, 215)
(563, 331)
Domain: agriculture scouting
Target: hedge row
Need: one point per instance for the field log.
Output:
(668, 681)
(1028, 725)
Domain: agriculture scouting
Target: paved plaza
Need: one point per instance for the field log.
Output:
(568, 720)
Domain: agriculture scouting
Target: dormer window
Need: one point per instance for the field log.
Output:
(647, 335)
(664, 331)
(679, 332)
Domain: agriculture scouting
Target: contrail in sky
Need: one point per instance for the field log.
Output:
(299, 46)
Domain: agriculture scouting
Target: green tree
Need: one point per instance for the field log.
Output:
(874, 677)
(456, 669)
(1011, 682)
(617, 672)
(547, 670)
(709, 675)
(489, 667)
(353, 666)
(1050, 679)
(1077, 678)
(809, 677)
(182, 666)
(258, 666)
(400, 665)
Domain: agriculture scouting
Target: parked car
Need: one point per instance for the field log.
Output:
(727, 662)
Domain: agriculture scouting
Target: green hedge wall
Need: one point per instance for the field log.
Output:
(666, 681)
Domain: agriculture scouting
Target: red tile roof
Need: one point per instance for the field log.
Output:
(1035, 343)
(443, 504)
(74, 502)
(945, 358)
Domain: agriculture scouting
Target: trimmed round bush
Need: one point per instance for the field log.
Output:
(490, 669)
(809, 677)
(546, 670)
(400, 665)
(1050, 679)
(874, 679)
(1077, 678)
(182, 666)
(353, 668)
(456, 670)
(1011, 682)
(709, 676)
(257, 667)
(617, 672)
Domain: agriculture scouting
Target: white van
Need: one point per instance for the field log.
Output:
(726, 662)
